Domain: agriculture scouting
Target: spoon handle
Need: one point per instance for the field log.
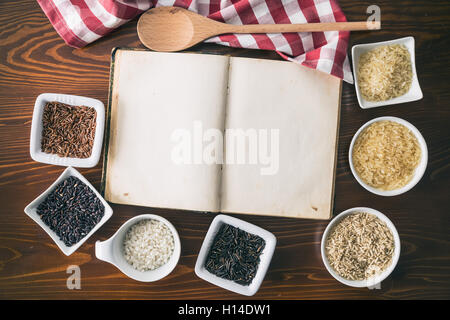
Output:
(304, 27)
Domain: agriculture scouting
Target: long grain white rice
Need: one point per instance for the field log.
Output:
(148, 245)
(384, 72)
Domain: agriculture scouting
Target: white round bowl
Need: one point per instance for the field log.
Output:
(373, 281)
(111, 251)
(421, 167)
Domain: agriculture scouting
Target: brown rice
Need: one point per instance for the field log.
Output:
(360, 246)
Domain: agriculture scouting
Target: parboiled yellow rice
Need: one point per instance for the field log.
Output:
(385, 155)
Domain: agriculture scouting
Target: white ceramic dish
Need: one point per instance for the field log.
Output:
(111, 251)
(419, 172)
(30, 210)
(265, 258)
(36, 130)
(371, 282)
(414, 93)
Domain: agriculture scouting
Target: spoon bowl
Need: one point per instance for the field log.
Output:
(173, 29)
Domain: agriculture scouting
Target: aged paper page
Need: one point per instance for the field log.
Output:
(303, 105)
(155, 95)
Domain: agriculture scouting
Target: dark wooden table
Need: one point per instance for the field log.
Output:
(33, 60)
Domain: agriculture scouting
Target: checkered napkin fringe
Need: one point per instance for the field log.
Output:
(80, 22)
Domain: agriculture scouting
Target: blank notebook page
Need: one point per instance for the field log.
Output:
(154, 95)
(303, 104)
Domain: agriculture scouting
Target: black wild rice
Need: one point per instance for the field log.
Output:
(68, 131)
(71, 210)
(235, 254)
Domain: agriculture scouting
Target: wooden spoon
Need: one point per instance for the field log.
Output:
(174, 29)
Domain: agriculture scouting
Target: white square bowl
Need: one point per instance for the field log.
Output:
(265, 257)
(414, 93)
(36, 130)
(31, 211)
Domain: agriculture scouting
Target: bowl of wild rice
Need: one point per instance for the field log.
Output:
(360, 247)
(235, 255)
(70, 210)
(388, 156)
(145, 248)
(385, 73)
(67, 130)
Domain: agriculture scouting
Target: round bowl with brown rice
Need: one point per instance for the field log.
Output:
(360, 247)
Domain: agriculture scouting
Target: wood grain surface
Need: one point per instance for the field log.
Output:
(34, 59)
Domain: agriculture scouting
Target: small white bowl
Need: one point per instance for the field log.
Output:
(421, 167)
(265, 257)
(373, 281)
(111, 251)
(36, 130)
(31, 211)
(414, 93)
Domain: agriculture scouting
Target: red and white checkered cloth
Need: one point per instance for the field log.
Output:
(80, 22)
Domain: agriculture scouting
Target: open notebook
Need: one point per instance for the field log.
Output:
(168, 112)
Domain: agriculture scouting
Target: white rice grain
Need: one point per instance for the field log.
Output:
(148, 245)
